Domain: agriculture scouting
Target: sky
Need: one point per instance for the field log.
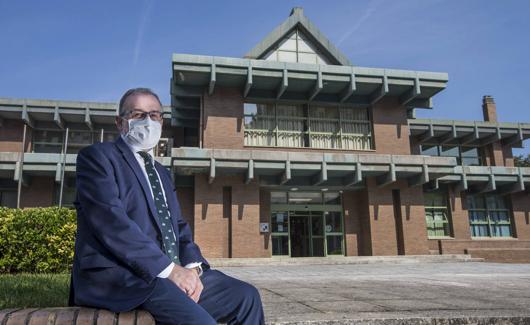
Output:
(95, 50)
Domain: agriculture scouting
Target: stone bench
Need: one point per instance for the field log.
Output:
(73, 315)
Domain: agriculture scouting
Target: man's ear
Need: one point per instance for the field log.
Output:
(120, 125)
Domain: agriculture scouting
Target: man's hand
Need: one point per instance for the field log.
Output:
(187, 280)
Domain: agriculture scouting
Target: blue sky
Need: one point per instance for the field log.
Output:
(95, 50)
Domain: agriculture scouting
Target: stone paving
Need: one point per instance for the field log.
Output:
(421, 293)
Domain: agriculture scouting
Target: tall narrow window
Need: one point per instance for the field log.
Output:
(489, 216)
(437, 214)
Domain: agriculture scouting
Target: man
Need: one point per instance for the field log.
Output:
(133, 249)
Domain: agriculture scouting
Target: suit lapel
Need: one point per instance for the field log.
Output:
(133, 163)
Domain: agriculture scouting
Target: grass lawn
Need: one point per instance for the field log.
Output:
(34, 290)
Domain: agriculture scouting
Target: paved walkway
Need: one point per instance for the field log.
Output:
(391, 293)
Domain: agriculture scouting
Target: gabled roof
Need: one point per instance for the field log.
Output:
(298, 20)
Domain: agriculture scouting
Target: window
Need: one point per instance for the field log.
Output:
(323, 127)
(437, 214)
(296, 48)
(69, 192)
(8, 198)
(48, 141)
(468, 156)
(52, 141)
(489, 216)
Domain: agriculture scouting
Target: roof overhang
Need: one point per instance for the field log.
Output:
(44, 164)
(61, 114)
(346, 171)
(472, 133)
(195, 75)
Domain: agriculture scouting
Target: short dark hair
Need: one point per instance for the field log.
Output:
(135, 91)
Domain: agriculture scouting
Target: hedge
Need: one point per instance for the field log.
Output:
(37, 240)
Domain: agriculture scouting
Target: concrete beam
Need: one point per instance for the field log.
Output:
(211, 177)
(513, 188)
(318, 86)
(381, 92)
(515, 139)
(420, 103)
(473, 136)
(490, 186)
(451, 135)
(426, 136)
(58, 173)
(88, 120)
(322, 176)
(388, 178)
(26, 179)
(412, 93)
(283, 85)
(355, 177)
(211, 85)
(462, 185)
(420, 179)
(349, 90)
(26, 117)
(286, 176)
(57, 118)
(432, 185)
(248, 85)
(250, 172)
(492, 138)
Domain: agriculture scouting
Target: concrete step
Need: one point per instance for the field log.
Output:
(490, 320)
(340, 260)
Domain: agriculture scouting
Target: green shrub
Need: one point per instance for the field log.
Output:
(37, 239)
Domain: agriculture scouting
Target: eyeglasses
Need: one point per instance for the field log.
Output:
(141, 115)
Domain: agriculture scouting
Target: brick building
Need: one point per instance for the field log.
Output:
(293, 151)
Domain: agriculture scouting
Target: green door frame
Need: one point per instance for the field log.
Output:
(290, 208)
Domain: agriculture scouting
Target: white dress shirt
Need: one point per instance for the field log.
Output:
(165, 273)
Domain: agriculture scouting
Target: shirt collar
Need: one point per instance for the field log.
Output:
(135, 150)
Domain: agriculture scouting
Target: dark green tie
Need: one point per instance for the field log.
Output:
(168, 236)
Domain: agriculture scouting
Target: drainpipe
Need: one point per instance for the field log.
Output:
(21, 164)
(63, 167)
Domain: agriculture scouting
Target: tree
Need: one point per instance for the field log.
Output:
(522, 161)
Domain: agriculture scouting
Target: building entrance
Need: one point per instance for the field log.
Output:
(305, 230)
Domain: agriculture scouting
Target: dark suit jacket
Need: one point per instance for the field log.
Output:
(118, 248)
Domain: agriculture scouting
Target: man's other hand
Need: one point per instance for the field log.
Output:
(187, 280)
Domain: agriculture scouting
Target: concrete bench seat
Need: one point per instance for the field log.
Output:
(73, 315)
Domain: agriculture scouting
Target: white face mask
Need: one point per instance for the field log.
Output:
(143, 134)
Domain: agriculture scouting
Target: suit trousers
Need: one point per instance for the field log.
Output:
(223, 299)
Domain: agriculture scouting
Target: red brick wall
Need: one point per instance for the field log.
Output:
(39, 193)
(246, 238)
(11, 136)
(383, 223)
(459, 215)
(223, 119)
(187, 204)
(521, 214)
(391, 131)
(212, 226)
(355, 219)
